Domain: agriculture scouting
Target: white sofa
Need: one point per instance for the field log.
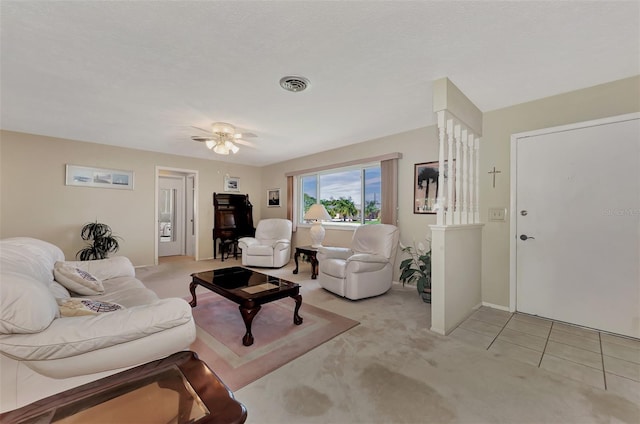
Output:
(271, 246)
(365, 269)
(43, 353)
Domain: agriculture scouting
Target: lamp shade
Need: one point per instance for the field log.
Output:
(317, 212)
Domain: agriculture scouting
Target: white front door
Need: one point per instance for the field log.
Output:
(577, 225)
(171, 212)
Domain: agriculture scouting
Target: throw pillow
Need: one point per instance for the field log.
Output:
(73, 307)
(25, 305)
(77, 280)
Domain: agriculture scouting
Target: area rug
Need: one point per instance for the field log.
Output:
(277, 341)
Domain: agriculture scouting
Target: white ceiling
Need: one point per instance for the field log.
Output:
(140, 74)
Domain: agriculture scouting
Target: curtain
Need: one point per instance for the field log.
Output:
(291, 203)
(389, 189)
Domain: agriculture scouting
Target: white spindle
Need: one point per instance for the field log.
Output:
(465, 177)
(458, 177)
(477, 149)
(440, 194)
(472, 180)
(450, 179)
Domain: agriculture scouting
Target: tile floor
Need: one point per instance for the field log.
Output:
(596, 358)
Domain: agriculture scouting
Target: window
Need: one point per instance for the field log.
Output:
(351, 195)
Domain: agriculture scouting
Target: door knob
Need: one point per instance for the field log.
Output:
(525, 237)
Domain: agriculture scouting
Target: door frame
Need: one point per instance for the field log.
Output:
(513, 215)
(184, 172)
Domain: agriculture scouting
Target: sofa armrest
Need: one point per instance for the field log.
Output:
(104, 269)
(334, 253)
(245, 242)
(71, 336)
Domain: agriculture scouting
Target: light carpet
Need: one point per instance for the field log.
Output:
(392, 369)
(277, 341)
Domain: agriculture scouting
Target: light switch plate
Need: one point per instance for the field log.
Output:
(497, 214)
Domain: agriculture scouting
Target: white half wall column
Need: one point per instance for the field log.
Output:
(456, 274)
(456, 239)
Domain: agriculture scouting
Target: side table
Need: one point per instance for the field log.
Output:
(310, 252)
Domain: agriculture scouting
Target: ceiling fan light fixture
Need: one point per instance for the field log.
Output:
(221, 149)
(223, 128)
(222, 139)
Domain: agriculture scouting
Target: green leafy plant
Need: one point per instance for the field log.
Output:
(101, 242)
(417, 269)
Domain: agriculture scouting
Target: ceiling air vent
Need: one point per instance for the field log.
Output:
(293, 83)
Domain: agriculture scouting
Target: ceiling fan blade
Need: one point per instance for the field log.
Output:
(201, 129)
(244, 142)
(201, 138)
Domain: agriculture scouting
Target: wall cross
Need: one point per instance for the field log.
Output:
(494, 172)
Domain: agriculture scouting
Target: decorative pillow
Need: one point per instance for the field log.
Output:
(73, 307)
(77, 280)
(25, 306)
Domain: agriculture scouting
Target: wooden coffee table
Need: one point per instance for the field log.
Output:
(249, 289)
(179, 388)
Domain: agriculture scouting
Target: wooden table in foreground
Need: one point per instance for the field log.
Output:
(310, 252)
(177, 389)
(249, 289)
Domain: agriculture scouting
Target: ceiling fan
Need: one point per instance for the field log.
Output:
(223, 139)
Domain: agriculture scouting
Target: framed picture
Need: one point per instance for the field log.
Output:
(425, 186)
(98, 177)
(273, 198)
(231, 184)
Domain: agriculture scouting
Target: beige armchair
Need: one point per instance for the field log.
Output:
(271, 246)
(365, 269)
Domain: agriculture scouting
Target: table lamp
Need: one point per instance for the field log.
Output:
(317, 213)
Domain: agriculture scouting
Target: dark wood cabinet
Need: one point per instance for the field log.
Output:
(233, 218)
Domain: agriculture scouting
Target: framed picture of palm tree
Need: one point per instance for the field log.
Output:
(425, 186)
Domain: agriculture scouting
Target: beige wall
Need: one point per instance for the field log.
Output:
(611, 99)
(35, 201)
(416, 146)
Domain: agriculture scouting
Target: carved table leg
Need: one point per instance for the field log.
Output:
(297, 319)
(192, 289)
(248, 314)
(295, 258)
(314, 266)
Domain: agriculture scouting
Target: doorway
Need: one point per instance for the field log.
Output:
(176, 217)
(575, 224)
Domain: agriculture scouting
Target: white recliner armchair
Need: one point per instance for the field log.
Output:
(271, 246)
(365, 269)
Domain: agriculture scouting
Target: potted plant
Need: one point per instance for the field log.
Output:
(101, 242)
(417, 268)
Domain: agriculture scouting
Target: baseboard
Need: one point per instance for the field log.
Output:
(494, 306)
